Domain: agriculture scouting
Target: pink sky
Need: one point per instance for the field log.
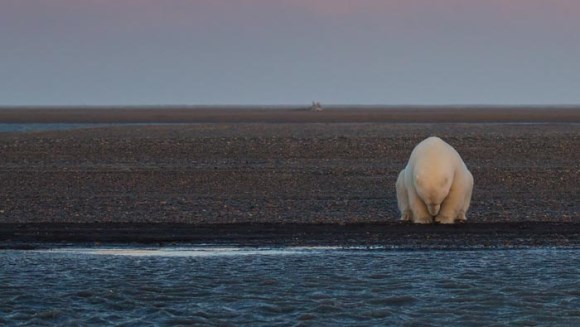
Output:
(359, 51)
(175, 10)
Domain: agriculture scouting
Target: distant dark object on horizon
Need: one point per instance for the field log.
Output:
(316, 106)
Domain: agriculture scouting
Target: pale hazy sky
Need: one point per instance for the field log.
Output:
(98, 52)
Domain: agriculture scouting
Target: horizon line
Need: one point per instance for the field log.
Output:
(295, 106)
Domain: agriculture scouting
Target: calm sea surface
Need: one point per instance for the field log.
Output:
(292, 286)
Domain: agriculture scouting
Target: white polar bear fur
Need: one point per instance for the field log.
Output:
(435, 185)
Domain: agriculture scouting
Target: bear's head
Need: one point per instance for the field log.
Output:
(433, 189)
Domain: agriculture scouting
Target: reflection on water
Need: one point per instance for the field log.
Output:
(312, 286)
(192, 251)
(40, 127)
(37, 127)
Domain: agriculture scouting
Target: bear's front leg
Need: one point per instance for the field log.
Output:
(452, 206)
(444, 220)
(423, 220)
(419, 210)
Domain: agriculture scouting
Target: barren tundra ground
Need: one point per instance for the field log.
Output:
(270, 174)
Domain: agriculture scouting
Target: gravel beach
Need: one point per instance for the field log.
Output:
(278, 174)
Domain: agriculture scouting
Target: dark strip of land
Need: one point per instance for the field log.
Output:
(247, 181)
(334, 114)
(388, 235)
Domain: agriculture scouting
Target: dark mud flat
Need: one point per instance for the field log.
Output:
(388, 235)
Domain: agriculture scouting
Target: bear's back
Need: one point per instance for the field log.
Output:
(433, 154)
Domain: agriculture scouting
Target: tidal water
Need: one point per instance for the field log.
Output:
(37, 127)
(43, 127)
(289, 287)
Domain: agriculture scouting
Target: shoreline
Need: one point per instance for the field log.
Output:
(392, 235)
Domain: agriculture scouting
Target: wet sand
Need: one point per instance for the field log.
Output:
(389, 236)
(264, 182)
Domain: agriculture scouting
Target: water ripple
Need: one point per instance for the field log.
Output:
(217, 286)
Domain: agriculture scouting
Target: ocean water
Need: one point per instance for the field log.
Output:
(289, 287)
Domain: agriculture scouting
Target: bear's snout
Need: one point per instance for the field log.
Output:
(433, 209)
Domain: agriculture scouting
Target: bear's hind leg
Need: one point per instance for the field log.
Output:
(467, 200)
(407, 215)
(467, 190)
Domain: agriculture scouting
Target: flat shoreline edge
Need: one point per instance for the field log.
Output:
(389, 235)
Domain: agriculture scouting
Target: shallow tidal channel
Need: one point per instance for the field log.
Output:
(288, 286)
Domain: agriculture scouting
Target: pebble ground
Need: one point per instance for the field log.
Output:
(277, 173)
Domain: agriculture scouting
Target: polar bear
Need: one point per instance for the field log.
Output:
(435, 185)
